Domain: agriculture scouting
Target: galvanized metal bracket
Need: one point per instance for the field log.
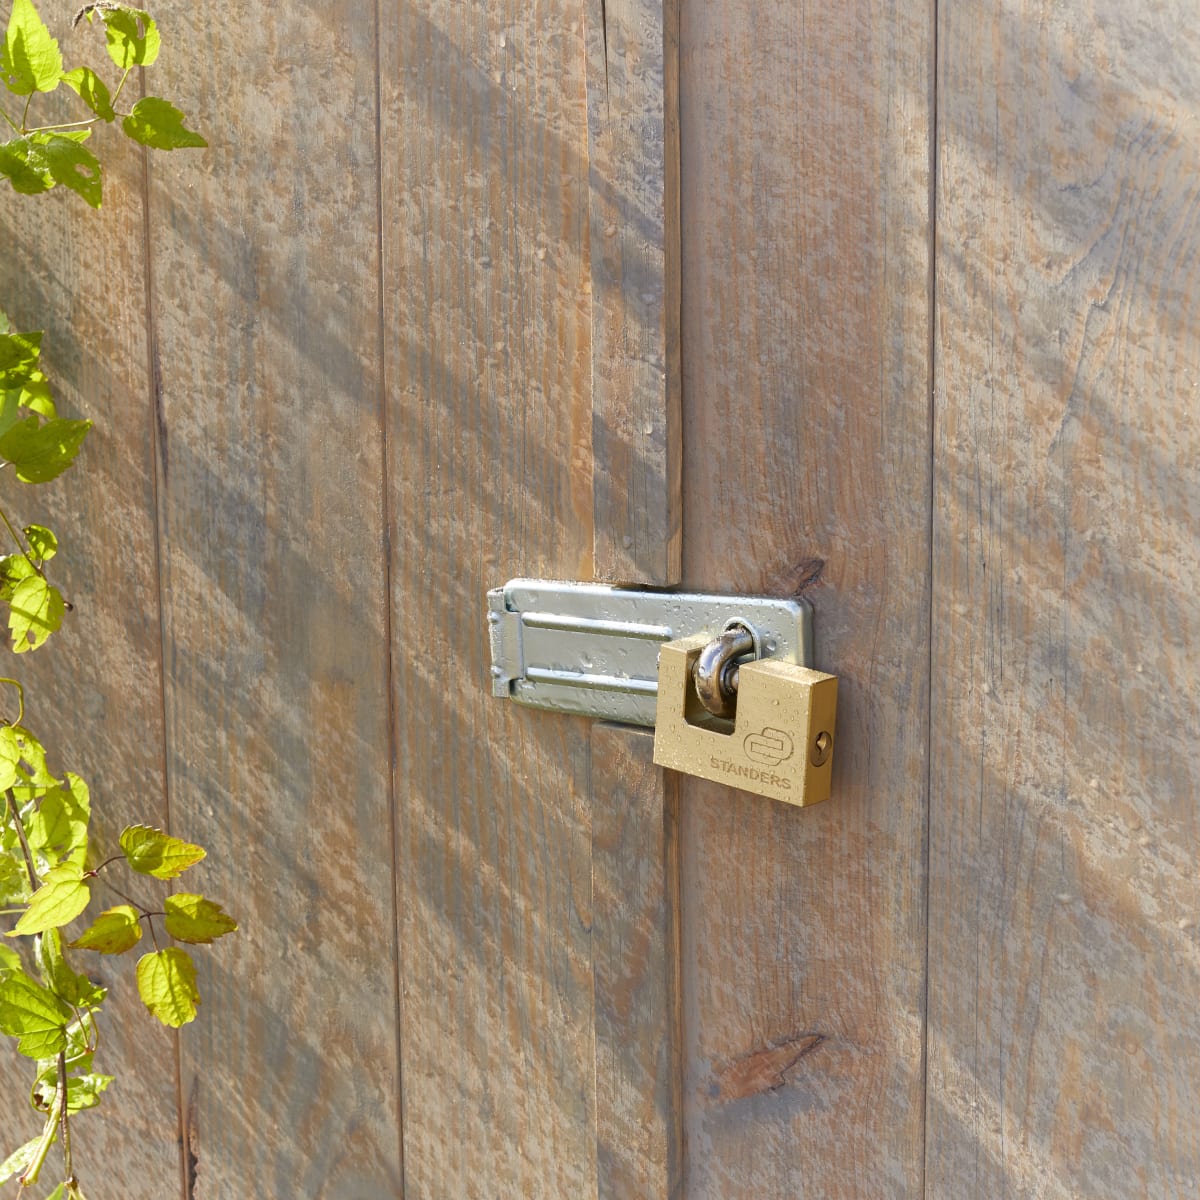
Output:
(590, 649)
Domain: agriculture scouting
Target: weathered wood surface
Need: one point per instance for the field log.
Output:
(633, 177)
(265, 270)
(371, 405)
(635, 930)
(1064, 1034)
(94, 691)
(488, 350)
(806, 262)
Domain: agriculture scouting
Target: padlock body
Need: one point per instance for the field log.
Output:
(780, 742)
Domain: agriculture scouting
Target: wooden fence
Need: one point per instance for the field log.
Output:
(656, 291)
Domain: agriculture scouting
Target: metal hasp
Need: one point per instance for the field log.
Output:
(593, 650)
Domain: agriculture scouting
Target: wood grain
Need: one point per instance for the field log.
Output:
(95, 690)
(635, 931)
(488, 322)
(265, 300)
(633, 179)
(1064, 953)
(806, 260)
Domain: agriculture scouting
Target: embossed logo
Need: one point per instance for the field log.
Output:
(771, 747)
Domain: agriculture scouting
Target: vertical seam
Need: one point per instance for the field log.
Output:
(931, 534)
(158, 475)
(389, 657)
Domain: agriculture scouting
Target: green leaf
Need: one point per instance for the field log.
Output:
(159, 124)
(18, 1160)
(92, 90)
(14, 882)
(167, 984)
(113, 932)
(60, 899)
(10, 408)
(10, 961)
(59, 829)
(36, 611)
(19, 354)
(33, 755)
(13, 568)
(43, 452)
(24, 165)
(73, 166)
(83, 1091)
(10, 757)
(192, 918)
(41, 541)
(30, 59)
(58, 1193)
(36, 396)
(34, 1015)
(153, 852)
(131, 36)
(68, 985)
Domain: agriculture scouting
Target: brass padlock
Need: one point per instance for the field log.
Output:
(779, 742)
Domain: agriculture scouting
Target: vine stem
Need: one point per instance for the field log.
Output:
(107, 862)
(146, 913)
(117, 93)
(16, 816)
(20, 697)
(63, 1108)
(9, 119)
(31, 1172)
(63, 125)
(20, 544)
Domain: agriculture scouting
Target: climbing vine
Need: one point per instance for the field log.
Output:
(50, 875)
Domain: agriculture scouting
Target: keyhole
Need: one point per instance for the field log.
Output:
(821, 747)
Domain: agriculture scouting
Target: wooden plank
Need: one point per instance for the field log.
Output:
(95, 690)
(487, 317)
(1064, 964)
(806, 259)
(633, 178)
(635, 930)
(265, 299)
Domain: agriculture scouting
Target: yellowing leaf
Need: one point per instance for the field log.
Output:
(42, 543)
(34, 1015)
(113, 932)
(167, 985)
(30, 58)
(192, 918)
(35, 612)
(153, 852)
(60, 899)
